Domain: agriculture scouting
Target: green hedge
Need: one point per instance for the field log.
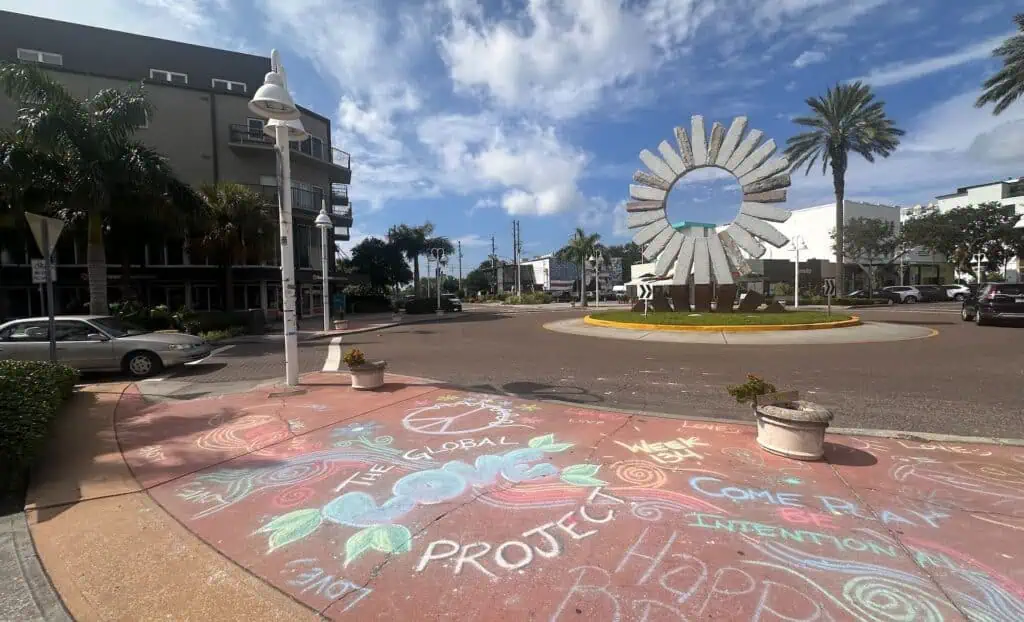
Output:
(31, 393)
(532, 298)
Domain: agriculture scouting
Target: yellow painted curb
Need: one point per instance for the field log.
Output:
(853, 321)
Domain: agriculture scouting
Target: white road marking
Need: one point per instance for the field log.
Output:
(212, 354)
(333, 362)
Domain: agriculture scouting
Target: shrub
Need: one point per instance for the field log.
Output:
(219, 335)
(354, 357)
(31, 393)
(747, 392)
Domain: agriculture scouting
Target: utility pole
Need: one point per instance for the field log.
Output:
(519, 258)
(459, 244)
(515, 255)
(494, 264)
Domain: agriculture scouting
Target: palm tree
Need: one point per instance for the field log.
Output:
(417, 241)
(89, 137)
(1007, 84)
(582, 247)
(846, 119)
(238, 225)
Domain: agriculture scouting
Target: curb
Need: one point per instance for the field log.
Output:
(320, 336)
(853, 321)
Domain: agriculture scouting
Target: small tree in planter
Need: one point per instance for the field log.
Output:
(365, 376)
(786, 425)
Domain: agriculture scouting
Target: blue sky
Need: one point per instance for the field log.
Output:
(470, 113)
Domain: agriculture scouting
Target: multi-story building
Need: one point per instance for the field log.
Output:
(1009, 192)
(552, 274)
(202, 124)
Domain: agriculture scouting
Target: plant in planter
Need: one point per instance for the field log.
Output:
(786, 425)
(365, 376)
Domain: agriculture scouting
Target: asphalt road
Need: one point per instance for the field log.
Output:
(967, 380)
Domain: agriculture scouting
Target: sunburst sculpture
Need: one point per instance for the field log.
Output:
(750, 161)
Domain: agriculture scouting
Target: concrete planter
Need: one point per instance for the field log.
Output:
(340, 324)
(368, 376)
(794, 430)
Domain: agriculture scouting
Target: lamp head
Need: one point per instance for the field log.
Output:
(323, 221)
(272, 100)
(296, 131)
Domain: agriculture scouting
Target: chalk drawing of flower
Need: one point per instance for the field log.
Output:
(356, 429)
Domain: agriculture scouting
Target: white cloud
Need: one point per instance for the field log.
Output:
(897, 73)
(472, 241)
(809, 57)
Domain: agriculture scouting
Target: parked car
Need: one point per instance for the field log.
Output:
(451, 302)
(877, 294)
(932, 293)
(994, 303)
(958, 293)
(906, 293)
(100, 343)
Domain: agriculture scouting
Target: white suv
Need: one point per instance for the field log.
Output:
(907, 294)
(958, 293)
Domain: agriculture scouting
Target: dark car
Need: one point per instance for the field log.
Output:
(994, 303)
(878, 294)
(932, 293)
(451, 302)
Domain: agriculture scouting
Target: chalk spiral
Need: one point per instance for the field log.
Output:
(640, 473)
(243, 433)
(652, 510)
(295, 473)
(293, 496)
(884, 600)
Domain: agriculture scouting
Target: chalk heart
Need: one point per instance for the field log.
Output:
(358, 509)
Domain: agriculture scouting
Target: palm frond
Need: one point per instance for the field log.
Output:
(1006, 85)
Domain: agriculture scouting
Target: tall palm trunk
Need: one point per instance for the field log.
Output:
(96, 266)
(839, 184)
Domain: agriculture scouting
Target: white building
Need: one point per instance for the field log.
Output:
(1009, 192)
(814, 225)
(551, 274)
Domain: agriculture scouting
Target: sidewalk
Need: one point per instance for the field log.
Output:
(419, 502)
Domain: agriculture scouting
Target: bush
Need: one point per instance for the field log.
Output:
(419, 306)
(354, 357)
(747, 392)
(31, 393)
(219, 335)
(532, 298)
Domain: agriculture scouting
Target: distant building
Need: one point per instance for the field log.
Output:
(1009, 192)
(551, 274)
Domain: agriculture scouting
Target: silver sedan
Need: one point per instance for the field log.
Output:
(99, 343)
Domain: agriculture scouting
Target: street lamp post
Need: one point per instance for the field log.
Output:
(798, 245)
(273, 101)
(440, 258)
(323, 223)
(597, 262)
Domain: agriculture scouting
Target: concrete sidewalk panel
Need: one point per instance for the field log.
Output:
(82, 459)
(122, 558)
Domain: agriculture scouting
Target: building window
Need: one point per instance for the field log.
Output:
(256, 129)
(229, 85)
(305, 146)
(175, 252)
(168, 76)
(37, 56)
(317, 146)
(303, 245)
(318, 197)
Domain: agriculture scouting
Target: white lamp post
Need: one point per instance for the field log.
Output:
(273, 101)
(323, 223)
(440, 259)
(798, 245)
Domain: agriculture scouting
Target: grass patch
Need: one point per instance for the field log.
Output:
(722, 319)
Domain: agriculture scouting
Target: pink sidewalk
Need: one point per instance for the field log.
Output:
(420, 502)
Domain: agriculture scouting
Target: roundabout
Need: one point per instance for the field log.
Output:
(849, 331)
(722, 322)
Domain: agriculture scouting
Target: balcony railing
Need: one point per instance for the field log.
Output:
(301, 199)
(245, 135)
(341, 210)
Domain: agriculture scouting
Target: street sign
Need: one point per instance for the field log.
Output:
(828, 287)
(39, 272)
(645, 291)
(45, 230)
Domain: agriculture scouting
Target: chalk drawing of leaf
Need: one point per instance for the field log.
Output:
(383, 538)
(539, 442)
(290, 527)
(582, 475)
(556, 447)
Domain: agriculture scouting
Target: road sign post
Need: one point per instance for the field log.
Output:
(645, 291)
(828, 287)
(46, 231)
